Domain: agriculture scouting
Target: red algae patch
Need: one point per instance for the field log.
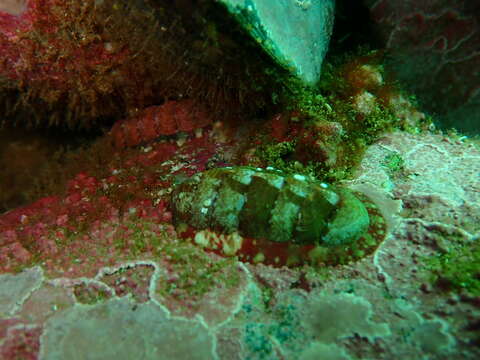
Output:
(124, 273)
(77, 234)
(192, 282)
(119, 214)
(155, 121)
(21, 342)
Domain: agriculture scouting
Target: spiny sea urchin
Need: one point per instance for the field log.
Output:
(77, 64)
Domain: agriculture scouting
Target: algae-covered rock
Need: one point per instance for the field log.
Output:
(120, 329)
(294, 32)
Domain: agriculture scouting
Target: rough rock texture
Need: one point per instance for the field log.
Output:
(83, 64)
(15, 288)
(121, 329)
(294, 32)
(14, 7)
(435, 51)
(181, 302)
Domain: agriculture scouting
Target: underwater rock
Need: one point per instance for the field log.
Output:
(282, 213)
(295, 33)
(12, 7)
(84, 64)
(434, 51)
(67, 63)
(160, 336)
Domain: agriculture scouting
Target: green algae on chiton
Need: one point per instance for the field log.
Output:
(283, 219)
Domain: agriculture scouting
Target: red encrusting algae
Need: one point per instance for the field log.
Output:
(120, 213)
(155, 121)
(77, 228)
(67, 55)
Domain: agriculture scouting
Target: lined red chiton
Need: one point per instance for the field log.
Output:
(172, 117)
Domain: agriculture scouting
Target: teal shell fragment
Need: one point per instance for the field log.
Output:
(269, 204)
(295, 33)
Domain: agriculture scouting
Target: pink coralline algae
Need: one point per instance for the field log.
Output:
(70, 57)
(18, 41)
(103, 219)
(155, 121)
(82, 224)
(108, 242)
(435, 47)
(20, 341)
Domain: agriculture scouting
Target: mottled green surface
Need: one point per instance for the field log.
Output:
(350, 220)
(272, 205)
(294, 32)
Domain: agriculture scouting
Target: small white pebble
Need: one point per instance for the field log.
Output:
(108, 46)
(198, 133)
(299, 177)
